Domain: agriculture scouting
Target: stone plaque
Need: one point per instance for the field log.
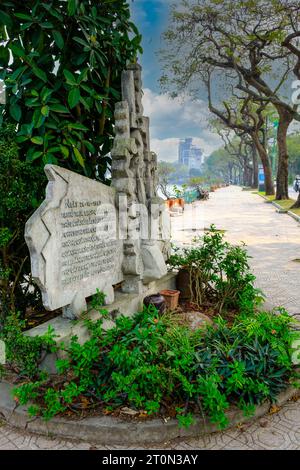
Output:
(73, 241)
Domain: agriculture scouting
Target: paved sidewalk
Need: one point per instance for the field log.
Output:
(273, 241)
(280, 430)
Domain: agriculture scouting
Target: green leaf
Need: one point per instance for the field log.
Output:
(32, 102)
(49, 159)
(85, 103)
(36, 155)
(46, 92)
(25, 26)
(71, 80)
(55, 148)
(37, 119)
(78, 126)
(18, 72)
(22, 16)
(37, 140)
(72, 4)
(15, 112)
(26, 129)
(83, 75)
(73, 97)
(39, 73)
(59, 40)
(59, 108)
(64, 151)
(17, 50)
(21, 138)
(78, 157)
(89, 146)
(81, 42)
(47, 25)
(51, 125)
(45, 111)
(53, 12)
(5, 19)
(87, 88)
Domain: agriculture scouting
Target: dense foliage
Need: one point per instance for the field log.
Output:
(219, 273)
(157, 365)
(21, 188)
(61, 62)
(24, 354)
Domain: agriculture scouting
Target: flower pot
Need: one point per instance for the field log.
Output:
(171, 297)
(157, 300)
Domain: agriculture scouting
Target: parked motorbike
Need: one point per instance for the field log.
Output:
(203, 194)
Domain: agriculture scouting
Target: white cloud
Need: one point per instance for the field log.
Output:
(173, 119)
(166, 149)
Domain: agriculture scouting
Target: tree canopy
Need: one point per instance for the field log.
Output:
(61, 62)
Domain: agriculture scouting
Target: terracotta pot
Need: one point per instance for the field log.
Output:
(157, 300)
(171, 298)
(175, 202)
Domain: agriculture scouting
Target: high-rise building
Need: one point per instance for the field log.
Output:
(190, 155)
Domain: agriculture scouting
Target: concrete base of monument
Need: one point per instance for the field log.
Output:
(106, 430)
(126, 304)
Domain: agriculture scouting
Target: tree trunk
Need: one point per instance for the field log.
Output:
(255, 167)
(247, 175)
(282, 188)
(230, 173)
(269, 186)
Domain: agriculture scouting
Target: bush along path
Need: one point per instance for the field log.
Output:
(157, 366)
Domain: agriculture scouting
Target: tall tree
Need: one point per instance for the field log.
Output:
(291, 42)
(244, 40)
(245, 117)
(165, 170)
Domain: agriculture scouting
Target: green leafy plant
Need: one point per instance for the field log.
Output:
(61, 62)
(157, 365)
(179, 192)
(24, 354)
(219, 273)
(22, 189)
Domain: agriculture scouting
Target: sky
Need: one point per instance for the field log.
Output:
(170, 119)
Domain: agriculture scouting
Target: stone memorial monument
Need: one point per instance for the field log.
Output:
(88, 236)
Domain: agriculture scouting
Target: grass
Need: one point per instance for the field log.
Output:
(285, 205)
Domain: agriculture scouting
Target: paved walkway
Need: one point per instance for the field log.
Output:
(273, 241)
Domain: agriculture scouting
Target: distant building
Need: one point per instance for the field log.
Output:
(190, 155)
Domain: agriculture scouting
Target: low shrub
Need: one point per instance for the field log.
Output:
(158, 366)
(25, 353)
(219, 273)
